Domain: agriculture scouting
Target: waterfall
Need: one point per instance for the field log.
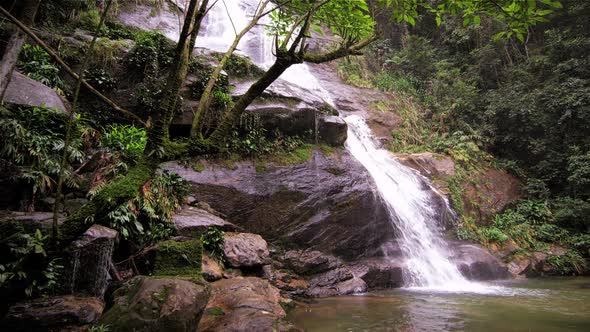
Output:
(407, 199)
(411, 212)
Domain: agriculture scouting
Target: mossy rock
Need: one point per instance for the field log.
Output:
(178, 258)
(157, 304)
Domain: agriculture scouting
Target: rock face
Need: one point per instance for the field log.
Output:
(307, 262)
(192, 221)
(25, 91)
(490, 193)
(245, 250)
(53, 312)
(344, 215)
(165, 304)
(244, 304)
(430, 165)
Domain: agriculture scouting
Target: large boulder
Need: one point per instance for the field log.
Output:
(380, 272)
(328, 203)
(244, 304)
(53, 313)
(476, 263)
(245, 250)
(211, 269)
(193, 221)
(25, 91)
(157, 304)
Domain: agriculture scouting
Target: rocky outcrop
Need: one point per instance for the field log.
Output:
(25, 91)
(53, 313)
(244, 304)
(245, 250)
(178, 258)
(307, 262)
(343, 216)
(489, 193)
(193, 221)
(431, 165)
(162, 304)
(379, 273)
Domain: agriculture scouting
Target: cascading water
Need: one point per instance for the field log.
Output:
(411, 212)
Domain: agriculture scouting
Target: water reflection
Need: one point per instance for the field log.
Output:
(538, 305)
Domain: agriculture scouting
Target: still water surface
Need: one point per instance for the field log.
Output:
(556, 304)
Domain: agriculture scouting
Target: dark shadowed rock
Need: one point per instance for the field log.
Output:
(25, 91)
(192, 221)
(244, 304)
(333, 130)
(328, 203)
(53, 313)
(88, 261)
(245, 250)
(163, 304)
(380, 272)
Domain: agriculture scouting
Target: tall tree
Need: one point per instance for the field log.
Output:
(15, 44)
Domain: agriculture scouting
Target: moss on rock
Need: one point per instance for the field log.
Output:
(178, 258)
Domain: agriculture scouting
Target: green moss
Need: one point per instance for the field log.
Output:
(215, 311)
(197, 165)
(108, 198)
(178, 259)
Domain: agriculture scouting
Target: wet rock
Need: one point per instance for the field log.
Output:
(331, 277)
(211, 269)
(28, 92)
(476, 263)
(430, 165)
(157, 304)
(192, 222)
(343, 216)
(146, 17)
(89, 261)
(30, 221)
(244, 304)
(339, 281)
(333, 130)
(379, 272)
(245, 250)
(53, 313)
(352, 286)
(306, 262)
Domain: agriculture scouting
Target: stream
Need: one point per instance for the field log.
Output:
(548, 304)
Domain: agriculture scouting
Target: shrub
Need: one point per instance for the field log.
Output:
(37, 64)
(100, 79)
(569, 263)
(151, 51)
(493, 234)
(127, 140)
(212, 241)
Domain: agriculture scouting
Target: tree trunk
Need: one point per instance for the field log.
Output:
(281, 64)
(159, 134)
(15, 45)
(205, 100)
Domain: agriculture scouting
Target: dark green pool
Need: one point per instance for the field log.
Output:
(556, 304)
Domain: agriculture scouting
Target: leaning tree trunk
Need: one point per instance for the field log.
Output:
(205, 100)
(159, 134)
(230, 118)
(15, 45)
